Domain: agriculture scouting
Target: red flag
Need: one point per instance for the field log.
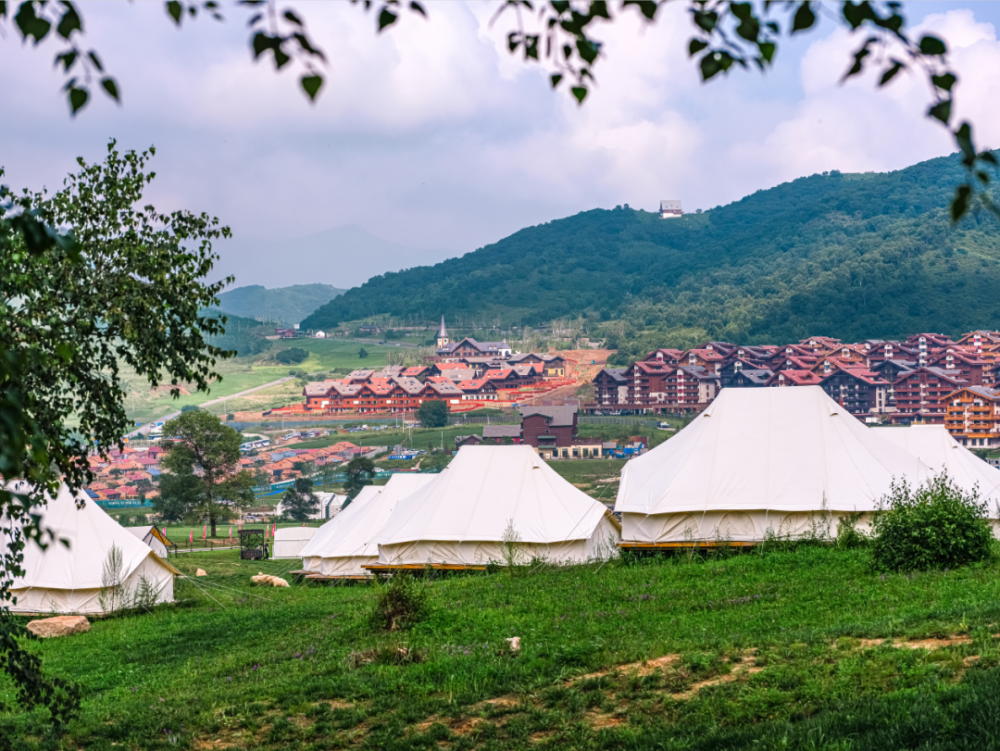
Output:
(204, 531)
(275, 529)
(192, 537)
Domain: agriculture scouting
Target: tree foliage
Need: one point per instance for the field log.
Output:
(562, 34)
(208, 452)
(847, 255)
(122, 283)
(935, 526)
(359, 473)
(433, 414)
(300, 502)
(291, 356)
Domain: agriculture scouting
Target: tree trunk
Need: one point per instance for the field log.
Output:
(211, 520)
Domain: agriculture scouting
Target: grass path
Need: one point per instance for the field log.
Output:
(769, 651)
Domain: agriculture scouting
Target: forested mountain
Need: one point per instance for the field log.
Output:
(846, 255)
(282, 305)
(244, 335)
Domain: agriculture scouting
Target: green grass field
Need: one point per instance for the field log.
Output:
(757, 651)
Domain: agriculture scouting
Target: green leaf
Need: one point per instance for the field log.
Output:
(69, 22)
(386, 18)
(96, 61)
(706, 20)
(960, 203)
(767, 50)
(292, 18)
(580, 92)
(890, 72)
(941, 111)
(77, 99)
(859, 59)
(418, 8)
(695, 46)
(311, 85)
(963, 137)
(804, 18)
(109, 85)
(67, 59)
(175, 10)
(555, 78)
(944, 81)
(932, 46)
(648, 8)
(29, 24)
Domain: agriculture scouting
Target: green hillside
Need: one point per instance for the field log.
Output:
(281, 305)
(846, 255)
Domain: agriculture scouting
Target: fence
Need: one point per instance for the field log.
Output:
(504, 419)
(623, 420)
(124, 504)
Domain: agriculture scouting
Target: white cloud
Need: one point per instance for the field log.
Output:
(431, 134)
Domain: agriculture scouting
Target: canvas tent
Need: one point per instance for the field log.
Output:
(289, 541)
(61, 579)
(757, 460)
(153, 537)
(935, 447)
(344, 544)
(487, 494)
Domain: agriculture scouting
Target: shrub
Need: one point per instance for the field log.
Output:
(400, 604)
(291, 356)
(936, 526)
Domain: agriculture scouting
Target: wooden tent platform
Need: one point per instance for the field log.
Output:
(315, 576)
(386, 568)
(626, 545)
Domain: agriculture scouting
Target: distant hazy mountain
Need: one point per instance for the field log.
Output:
(283, 305)
(344, 257)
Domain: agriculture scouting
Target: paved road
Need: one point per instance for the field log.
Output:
(172, 415)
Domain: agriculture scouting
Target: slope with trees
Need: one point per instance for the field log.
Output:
(286, 305)
(847, 255)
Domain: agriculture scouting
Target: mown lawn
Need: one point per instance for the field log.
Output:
(763, 651)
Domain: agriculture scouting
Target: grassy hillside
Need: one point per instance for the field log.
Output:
(283, 305)
(804, 649)
(847, 255)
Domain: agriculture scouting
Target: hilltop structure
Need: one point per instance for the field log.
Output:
(670, 209)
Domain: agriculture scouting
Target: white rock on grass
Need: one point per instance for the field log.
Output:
(515, 643)
(62, 625)
(268, 581)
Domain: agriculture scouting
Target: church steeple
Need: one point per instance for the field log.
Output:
(442, 335)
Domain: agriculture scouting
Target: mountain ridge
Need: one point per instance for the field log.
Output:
(849, 255)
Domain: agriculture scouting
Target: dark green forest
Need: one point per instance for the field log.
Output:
(243, 335)
(847, 255)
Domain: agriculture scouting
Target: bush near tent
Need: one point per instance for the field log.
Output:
(937, 525)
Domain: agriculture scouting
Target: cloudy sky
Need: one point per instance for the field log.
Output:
(432, 136)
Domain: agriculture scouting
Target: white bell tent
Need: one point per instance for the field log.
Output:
(935, 447)
(344, 544)
(68, 579)
(289, 541)
(759, 459)
(152, 536)
(489, 495)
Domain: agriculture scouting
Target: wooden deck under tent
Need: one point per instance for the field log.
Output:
(388, 568)
(683, 544)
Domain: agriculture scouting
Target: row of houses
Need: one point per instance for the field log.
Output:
(399, 389)
(928, 378)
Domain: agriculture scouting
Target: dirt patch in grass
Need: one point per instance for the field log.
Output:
(928, 644)
(745, 668)
(642, 668)
(600, 720)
